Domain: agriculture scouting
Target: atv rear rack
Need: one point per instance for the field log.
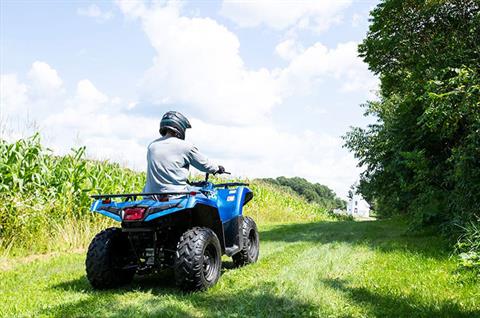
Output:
(135, 195)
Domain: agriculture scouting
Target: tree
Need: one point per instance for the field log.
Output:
(422, 156)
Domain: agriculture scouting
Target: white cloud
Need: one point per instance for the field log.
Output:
(13, 100)
(22, 104)
(263, 150)
(93, 11)
(88, 97)
(85, 117)
(288, 49)
(132, 8)
(13, 94)
(319, 63)
(198, 64)
(280, 15)
(44, 80)
(115, 136)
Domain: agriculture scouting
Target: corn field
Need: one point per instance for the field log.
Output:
(42, 195)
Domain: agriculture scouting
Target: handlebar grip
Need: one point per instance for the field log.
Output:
(215, 173)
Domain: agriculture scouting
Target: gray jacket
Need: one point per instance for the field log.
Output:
(168, 161)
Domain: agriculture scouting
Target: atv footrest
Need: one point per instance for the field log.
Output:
(232, 250)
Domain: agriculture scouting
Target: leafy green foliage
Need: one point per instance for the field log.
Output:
(422, 157)
(313, 192)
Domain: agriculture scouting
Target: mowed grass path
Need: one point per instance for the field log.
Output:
(324, 269)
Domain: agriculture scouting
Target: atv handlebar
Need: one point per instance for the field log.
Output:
(224, 185)
(208, 174)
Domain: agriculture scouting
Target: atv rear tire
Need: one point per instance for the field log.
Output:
(108, 254)
(250, 250)
(198, 261)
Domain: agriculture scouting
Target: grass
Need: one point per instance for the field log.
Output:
(316, 269)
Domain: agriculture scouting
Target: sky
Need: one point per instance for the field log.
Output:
(270, 87)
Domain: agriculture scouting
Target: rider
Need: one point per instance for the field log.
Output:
(169, 157)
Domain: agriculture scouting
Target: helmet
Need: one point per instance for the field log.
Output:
(175, 122)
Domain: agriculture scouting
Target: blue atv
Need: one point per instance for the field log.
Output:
(185, 231)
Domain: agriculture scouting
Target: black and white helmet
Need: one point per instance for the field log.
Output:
(175, 122)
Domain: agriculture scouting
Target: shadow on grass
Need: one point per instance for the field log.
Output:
(160, 283)
(382, 305)
(384, 235)
(157, 284)
(167, 301)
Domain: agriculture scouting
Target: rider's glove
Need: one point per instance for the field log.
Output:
(220, 170)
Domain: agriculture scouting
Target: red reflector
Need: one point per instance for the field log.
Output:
(133, 214)
(193, 193)
(107, 201)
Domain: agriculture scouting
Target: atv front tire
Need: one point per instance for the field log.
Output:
(108, 254)
(198, 262)
(249, 253)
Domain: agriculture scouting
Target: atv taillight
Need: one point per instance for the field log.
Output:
(133, 214)
(107, 201)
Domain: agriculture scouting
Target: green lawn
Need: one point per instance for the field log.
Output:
(323, 269)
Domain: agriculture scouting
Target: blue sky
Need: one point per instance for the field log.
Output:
(270, 86)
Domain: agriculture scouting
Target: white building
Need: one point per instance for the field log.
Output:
(357, 206)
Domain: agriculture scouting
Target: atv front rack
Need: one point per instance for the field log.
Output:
(230, 184)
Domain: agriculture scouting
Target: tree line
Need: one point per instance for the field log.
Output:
(312, 192)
